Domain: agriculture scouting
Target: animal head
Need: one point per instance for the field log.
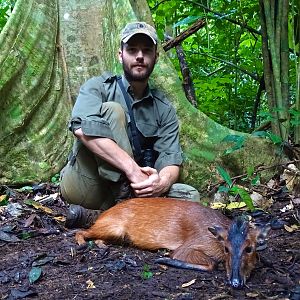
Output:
(240, 243)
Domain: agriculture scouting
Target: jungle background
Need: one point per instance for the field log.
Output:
(236, 63)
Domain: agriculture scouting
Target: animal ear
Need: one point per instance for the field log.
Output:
(219, 232)
(261, 234)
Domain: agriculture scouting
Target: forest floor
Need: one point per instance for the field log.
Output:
(39, 259)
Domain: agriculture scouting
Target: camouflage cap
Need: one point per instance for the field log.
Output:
(138, 27)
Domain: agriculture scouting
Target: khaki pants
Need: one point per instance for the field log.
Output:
(91, 182)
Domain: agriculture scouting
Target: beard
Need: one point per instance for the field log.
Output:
(132, 75)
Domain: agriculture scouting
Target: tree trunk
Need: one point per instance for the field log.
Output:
(34, 103)
(89, 40)
(297, 63)
(274, 17)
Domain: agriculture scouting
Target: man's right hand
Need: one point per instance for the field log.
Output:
(136, 175)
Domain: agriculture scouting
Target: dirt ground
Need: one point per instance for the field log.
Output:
(40, 260)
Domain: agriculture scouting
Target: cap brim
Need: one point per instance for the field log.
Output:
(127, 38)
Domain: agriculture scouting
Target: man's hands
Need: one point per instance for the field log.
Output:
(157, 183)
(153, 186)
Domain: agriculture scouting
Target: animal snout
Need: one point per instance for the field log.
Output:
(236, 283)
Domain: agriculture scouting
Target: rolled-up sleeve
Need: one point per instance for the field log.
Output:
(86, 113)
(167, 143)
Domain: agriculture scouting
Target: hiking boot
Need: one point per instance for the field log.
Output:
(80, 217)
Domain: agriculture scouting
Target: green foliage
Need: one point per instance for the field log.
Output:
(238, 141)
(55, 179)
(220, 56)
(233, 189)
(223, 93)
(25, 235)
(6, 7)
(275, 139)
(244, 195)
(25, 189)
(225, 175)
(146, 274)
(295, 117)
(4, 200)
(35, 274)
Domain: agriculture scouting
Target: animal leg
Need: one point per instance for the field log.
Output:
(104, 230)
(194, 258)
(83, 235)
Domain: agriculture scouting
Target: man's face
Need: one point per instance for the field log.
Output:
(138, 57)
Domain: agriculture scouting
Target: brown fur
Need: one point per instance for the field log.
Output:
(156, 223)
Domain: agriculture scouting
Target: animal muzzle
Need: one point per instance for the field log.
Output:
(236, 283)
(235, 278)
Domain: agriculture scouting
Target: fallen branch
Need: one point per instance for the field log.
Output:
(184, 34)
(187, 82)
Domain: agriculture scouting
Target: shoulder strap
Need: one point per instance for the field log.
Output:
(134, 131)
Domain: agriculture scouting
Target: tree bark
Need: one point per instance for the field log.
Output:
(183, 35)
(89, 39)
(297, 47)
(34, 103)
(261, 88)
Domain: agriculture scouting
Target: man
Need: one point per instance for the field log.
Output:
(114, 138)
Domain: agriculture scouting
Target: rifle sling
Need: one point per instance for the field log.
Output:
(135, 140)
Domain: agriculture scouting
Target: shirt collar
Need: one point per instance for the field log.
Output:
(128, 89)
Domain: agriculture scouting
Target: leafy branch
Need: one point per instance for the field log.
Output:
(223, 16)
(253, 76)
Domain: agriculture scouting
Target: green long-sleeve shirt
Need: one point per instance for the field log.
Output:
(154, 115)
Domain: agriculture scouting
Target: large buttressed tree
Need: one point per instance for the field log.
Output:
(48, 49)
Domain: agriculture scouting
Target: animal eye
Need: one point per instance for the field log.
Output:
(248, 249)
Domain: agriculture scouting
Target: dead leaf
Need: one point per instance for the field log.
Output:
(260, 201)
(43, 199)
(271, 184)
(7, 237)
(163, 267)
(30, 220)
(187, 284)
(37, 205)
(14, 209)
(287, 207)
(3, 197)
(90, 284)
(292, 228)
(296, 200)
(235, 205)
(252, 295)
(217, 205)
(256, 198)
(60, 219)
(292, 179)
(219, 197)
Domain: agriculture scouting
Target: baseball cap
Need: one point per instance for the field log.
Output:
(138, 27)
